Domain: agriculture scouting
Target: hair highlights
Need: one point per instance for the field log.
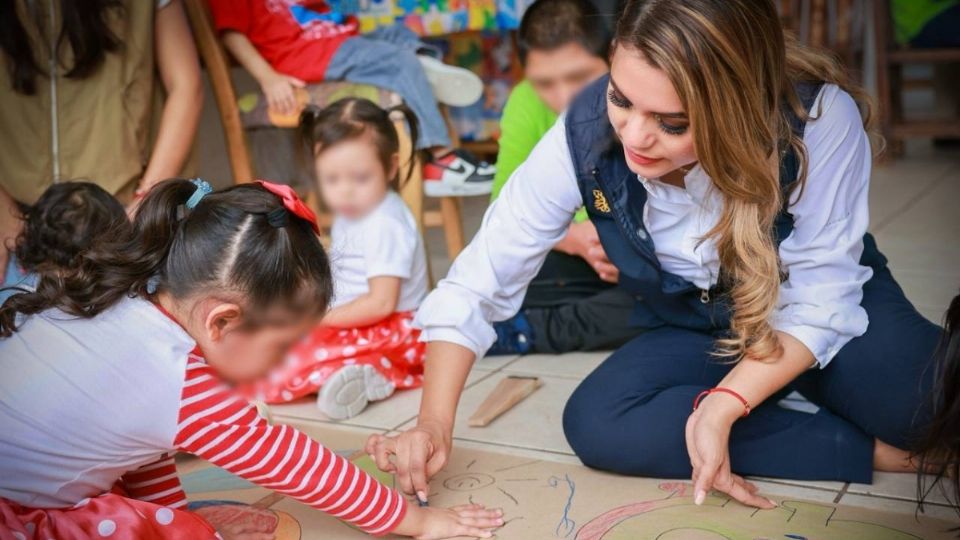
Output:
(735, 71)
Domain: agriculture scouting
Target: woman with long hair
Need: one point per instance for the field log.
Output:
(726, 169)
(72, 69)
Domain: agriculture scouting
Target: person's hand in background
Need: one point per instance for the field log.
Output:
(280, 91)
(583, 241)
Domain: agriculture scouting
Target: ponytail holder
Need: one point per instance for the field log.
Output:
(203, 189)
(291, 204)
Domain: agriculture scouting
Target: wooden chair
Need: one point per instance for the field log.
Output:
(832, 24)
(217, 62)
(889, 67)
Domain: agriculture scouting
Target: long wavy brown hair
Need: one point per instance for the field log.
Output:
(735, 71)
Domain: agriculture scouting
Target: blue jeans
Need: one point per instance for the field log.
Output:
(629, 415)
(387, 58)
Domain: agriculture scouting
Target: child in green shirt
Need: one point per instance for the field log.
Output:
(573, 303)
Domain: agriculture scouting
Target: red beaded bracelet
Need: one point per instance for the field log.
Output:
(705, 393)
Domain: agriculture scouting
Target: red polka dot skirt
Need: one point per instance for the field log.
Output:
(391, 346)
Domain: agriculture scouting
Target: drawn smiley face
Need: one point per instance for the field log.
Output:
(468, 482)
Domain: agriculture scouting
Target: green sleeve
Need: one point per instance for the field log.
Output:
(524, 121)
(910, 16)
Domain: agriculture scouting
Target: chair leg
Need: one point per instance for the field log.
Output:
(452, 226)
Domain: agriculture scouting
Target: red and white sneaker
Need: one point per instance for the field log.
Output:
(457, 173)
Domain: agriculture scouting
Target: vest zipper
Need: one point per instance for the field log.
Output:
(54, 124)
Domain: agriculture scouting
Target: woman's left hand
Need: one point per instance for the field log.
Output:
(708, 443)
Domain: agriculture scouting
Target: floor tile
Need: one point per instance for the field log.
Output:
(575, 365)
(823, 485)
(534, 423)
(780, 492)
(895, 186)
(932, 215)
(907, 508)
(934, 314)
(801, 405)
(897, 486)
(458, 443)
(934, 290)
(386, 414)
(493, 363)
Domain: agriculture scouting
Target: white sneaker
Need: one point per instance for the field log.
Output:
(456, 174)
(452, 85)
(348, 391)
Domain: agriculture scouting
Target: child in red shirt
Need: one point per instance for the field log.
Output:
(286, 44)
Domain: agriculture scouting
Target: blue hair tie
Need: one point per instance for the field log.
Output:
(203, 189)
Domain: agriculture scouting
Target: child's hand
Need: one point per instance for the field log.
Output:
(473, 520)
(279, 90)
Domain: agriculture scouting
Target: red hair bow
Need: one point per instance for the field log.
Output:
(292, 203)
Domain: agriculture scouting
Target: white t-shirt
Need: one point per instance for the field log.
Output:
(384, 242)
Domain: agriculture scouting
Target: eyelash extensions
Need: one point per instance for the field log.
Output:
(619, 101)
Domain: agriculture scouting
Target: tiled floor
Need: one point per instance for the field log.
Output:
(915, 205)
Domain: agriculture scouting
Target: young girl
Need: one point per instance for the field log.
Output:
(63, 223)
(117, 366)
(365, 347)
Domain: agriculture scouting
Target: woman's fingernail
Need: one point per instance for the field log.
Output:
(773, 502)
(700, 497)
(499, 521)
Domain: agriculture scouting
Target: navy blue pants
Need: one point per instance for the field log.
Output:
(629, 415)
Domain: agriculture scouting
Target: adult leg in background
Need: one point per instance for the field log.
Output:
(569, 308)
(629, 416)
(882, 380)
(383, 63)
(597, 322)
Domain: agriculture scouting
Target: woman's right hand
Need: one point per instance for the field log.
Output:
(280, 91)
(474, 520)
(413, 456)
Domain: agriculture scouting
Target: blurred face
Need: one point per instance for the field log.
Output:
(352, 178)
(557, 75)
(244, 356)
(241, 354)
(647, 116)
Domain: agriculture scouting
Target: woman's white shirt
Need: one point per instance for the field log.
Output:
(819, 303)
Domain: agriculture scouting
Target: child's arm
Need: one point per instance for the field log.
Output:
(277, 87)
(180, 72)
(157, 483)
(219, 426)
(370, 308)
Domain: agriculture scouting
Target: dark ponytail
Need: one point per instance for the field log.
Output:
(938, 451)
(225, 246)
(350, 118)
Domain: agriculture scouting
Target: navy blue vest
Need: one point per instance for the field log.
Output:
(614, 200)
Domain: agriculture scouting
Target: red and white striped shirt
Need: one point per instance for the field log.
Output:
(75, 421)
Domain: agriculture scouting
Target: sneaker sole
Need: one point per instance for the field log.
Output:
(344, 394)
(454, 86)
(436, 188)
(348, 392)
